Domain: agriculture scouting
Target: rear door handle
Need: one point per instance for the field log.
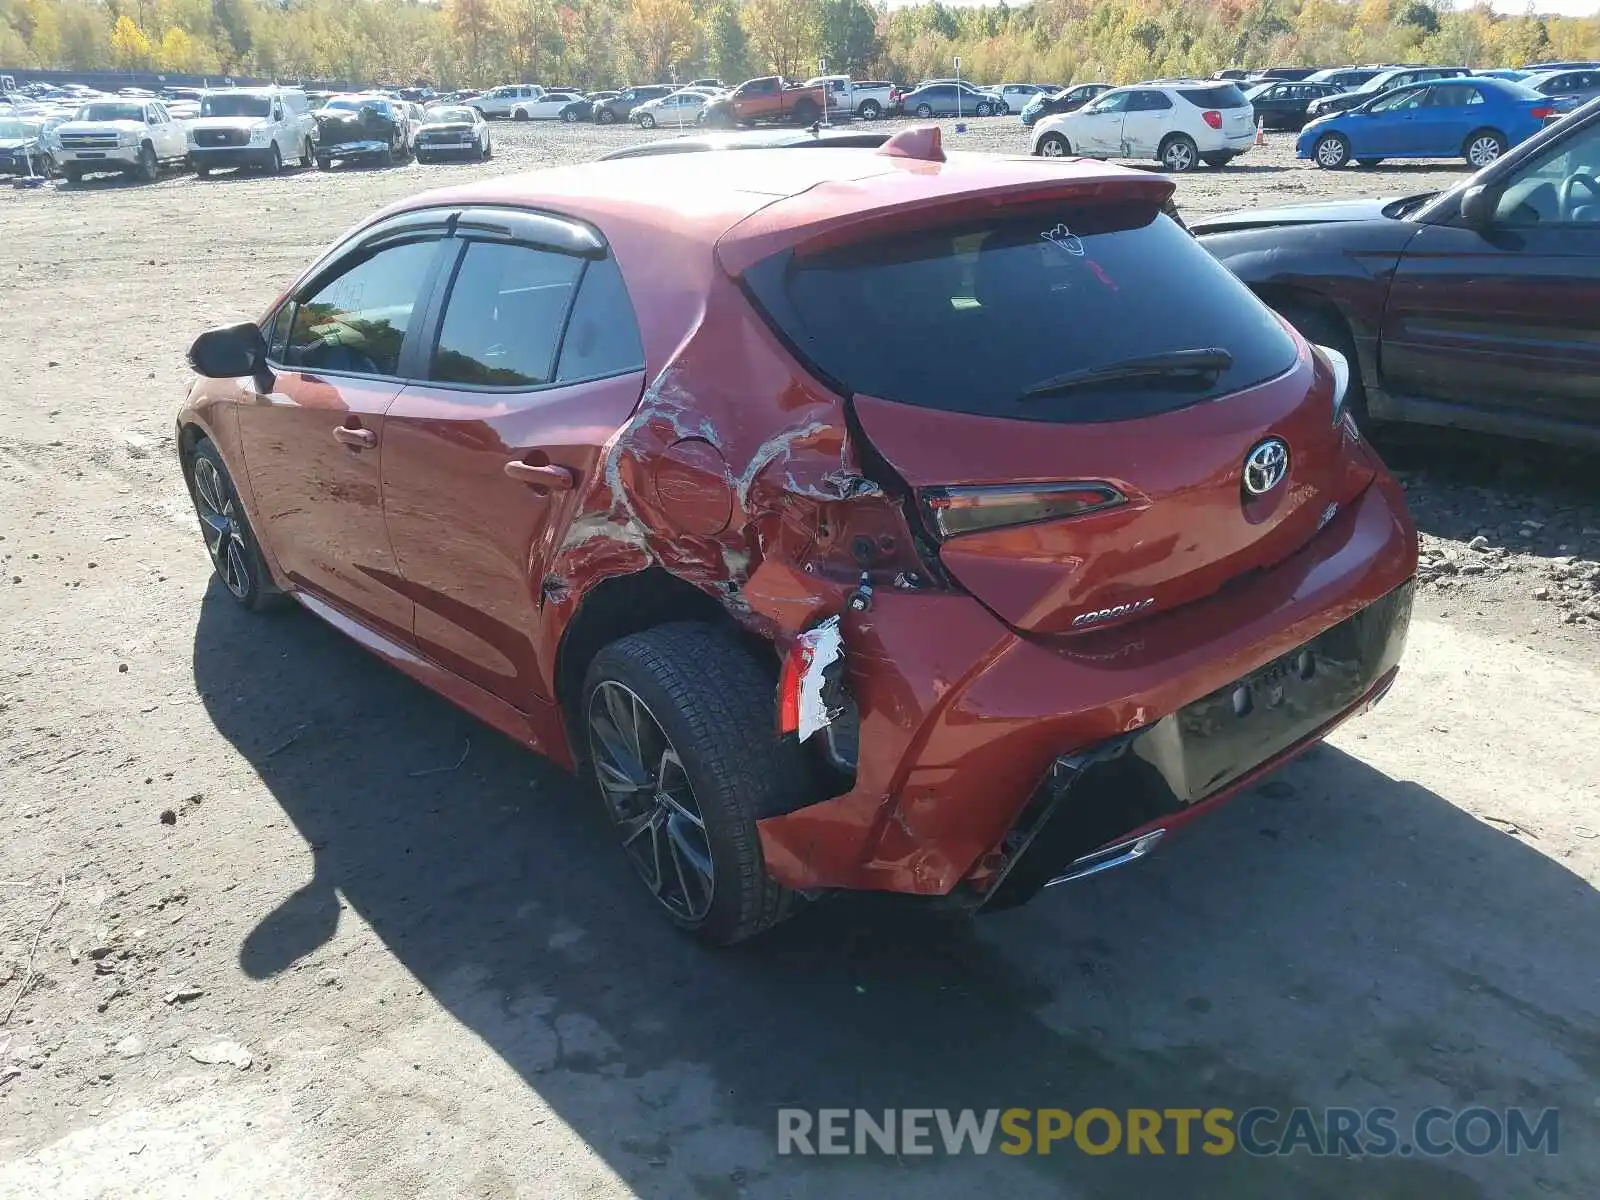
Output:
(549, 478)
(356, 439)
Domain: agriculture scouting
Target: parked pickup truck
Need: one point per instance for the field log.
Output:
(765, 100)
(867, 100)
(131, 136)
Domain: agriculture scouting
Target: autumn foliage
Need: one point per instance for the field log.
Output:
(598, 42)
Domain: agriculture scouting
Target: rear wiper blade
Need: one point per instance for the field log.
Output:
(1209, 361)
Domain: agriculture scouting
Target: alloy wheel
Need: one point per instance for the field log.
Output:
(219, 523)
(1179, 156)
(1053, 146)
(1483, 150)
(1331, 152)
(651, 801)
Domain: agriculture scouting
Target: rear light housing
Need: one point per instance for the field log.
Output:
(953, 511)
(1212, 118)
(1341, 380)
(1543, 113)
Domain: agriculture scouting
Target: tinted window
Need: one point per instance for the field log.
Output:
(1148, 102)
(967, 318)
(1561, 186)
(1453, 95)
(602, 336)
(1222, 95)
(503, 320)
(358, 321)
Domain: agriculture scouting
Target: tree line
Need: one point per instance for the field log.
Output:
(595, 43)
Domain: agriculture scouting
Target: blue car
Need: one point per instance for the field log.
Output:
(1475, 118)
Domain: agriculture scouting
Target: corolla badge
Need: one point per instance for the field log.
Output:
(1265, 466)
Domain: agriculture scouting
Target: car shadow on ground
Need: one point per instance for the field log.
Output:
(1324, 905)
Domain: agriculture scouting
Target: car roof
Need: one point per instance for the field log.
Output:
(671, 219)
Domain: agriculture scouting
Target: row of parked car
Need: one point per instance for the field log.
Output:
(1343, 116)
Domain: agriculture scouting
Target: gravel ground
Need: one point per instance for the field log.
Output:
(263, 938)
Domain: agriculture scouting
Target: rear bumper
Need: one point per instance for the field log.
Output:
(965, 725)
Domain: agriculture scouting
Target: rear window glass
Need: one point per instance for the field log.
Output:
(968, 318)
(1221, 95)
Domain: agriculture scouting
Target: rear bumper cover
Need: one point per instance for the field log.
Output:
(963, 722)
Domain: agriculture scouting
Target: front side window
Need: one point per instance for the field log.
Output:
(503, 320)
(357, 321)
(1115, 103)
(1559, 187)
(1399, 101)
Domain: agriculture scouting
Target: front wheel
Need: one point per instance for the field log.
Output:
(307, 153)
(520, 114)
(486, 153)
(1483, 148)
(324, 164)
(71, 174)
(275, 161)
(1332, 152)
(870, 110)
(606, 117)
(983, 110)
(235, 554)
(924, 111)
(202, 172)
(1053, 145)
(570, 116)
(646, 121)
(681, 746)
(148, 167)
(805, 113)
(1320, 327)
(386, 157)
(1179, 154)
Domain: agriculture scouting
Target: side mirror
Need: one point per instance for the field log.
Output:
(1477, 207)
(231, 351)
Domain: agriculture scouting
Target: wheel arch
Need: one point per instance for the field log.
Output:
(1278, 296)
(620, 605)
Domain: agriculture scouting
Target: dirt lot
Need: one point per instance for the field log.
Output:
(226, 838)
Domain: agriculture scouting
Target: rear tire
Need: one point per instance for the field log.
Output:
(870, 110)
(570, 116)
(924, 111)
(983, 110)
(1054, 145)
(324, 164)
(1178, 153)
(386, 157)
(149, 167)
(519, 114)
(708, 740)
(806, 113)
(605, 117)
(1483, 148)
(275, 161)
(202, 172)
(646, 121)
(307, 153)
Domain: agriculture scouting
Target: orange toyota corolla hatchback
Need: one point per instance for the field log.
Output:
(849, 519)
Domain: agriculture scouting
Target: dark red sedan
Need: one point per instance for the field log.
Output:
(855, 519)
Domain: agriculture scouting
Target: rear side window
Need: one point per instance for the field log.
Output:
(503, 320)
(1222, 95)
(967, 318)
(602, 335)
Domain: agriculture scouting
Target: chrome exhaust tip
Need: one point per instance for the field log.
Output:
(1107, 858)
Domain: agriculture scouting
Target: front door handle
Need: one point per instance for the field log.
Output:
(547, 478)
(356, 439)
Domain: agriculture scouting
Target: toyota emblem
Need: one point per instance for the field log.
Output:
(1265, 466)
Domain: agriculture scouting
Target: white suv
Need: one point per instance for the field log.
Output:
(1178, 124)
(500, 101)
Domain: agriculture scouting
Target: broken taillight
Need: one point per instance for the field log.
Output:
(1212, 118)
(808, 684)
(952, 511)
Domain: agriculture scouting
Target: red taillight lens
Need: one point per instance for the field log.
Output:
(1542, 113)
(952, 511)
(1212, 118)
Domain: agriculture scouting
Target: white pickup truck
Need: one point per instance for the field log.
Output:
(867, 100)
(134, 137)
